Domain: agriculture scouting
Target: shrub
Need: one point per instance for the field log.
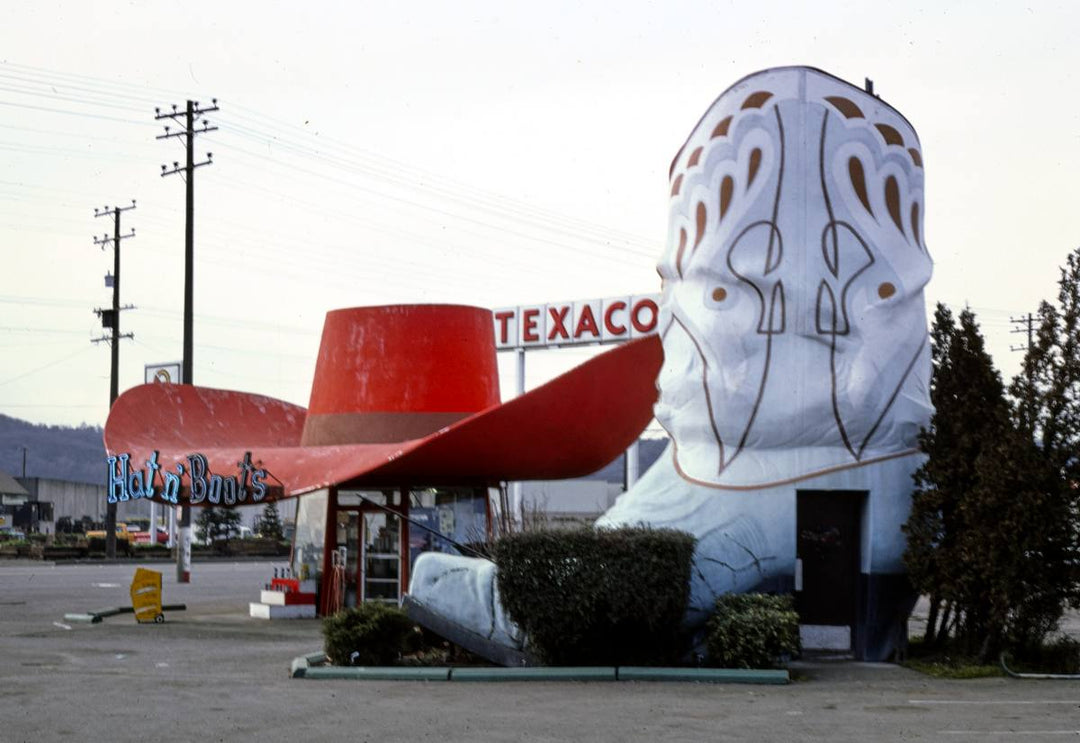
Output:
(752, 630)
(598, 596)
(123, 546)
(372, 634)
(1060, 655)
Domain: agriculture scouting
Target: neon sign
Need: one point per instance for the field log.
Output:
(129, 483)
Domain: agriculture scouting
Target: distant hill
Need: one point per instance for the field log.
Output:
(56, 452)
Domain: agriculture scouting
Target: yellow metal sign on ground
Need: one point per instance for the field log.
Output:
(146, 595)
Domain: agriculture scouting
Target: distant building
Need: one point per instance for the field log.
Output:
(13, 496)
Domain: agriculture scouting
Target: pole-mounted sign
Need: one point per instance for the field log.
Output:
(611, 320)
(171, 373)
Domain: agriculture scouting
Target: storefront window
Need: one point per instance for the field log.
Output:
(444, 517)
(351, 498)
(310, 538)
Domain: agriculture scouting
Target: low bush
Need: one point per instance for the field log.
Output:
(598, 596)
(752, 630)
(1060, 655)
(123, 546)
(371, 634)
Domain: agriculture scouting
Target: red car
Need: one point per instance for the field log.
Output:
(143, 537)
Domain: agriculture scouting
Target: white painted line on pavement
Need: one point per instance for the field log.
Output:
(1010, 733)
(993, 701)
(61, 625)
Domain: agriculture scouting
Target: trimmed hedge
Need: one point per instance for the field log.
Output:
(598, 596)
(371, 634)
(752, 630)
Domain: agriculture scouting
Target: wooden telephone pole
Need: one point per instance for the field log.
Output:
(110, 319)
(188, 120)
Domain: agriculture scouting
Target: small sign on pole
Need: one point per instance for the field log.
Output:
(170, 373)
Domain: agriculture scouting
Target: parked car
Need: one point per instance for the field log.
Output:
(143, 537)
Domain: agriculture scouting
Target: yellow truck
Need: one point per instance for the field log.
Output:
(122, 533)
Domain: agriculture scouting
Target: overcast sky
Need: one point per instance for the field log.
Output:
(489, 153)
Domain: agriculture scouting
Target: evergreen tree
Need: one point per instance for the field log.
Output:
(230, 524)
(270, 522)
(992, 536)
(208, 525)
(971, 416)
(987, 537)
(1047, 412)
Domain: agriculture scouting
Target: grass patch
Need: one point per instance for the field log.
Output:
(1058, 655)
(953, 668)
(944, 663)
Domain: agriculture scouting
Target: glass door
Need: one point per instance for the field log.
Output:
(348, 545)
(381, 557)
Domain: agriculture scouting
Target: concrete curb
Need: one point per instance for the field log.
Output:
(535, 673)
(378, 673)
(309, 667)
(705, 675)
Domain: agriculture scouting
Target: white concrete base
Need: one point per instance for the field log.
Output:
(281, 598)
(295, 611)
(825, 637)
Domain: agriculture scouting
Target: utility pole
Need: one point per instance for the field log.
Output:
(187, 120)
(110, 318)
(1026, 325)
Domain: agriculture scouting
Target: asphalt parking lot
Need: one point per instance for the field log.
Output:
(210, 673)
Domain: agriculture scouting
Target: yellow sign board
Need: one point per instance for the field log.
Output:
(146, 596)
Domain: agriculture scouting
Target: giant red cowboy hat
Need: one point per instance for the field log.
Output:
(401, 394)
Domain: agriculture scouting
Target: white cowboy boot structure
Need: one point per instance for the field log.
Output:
(796, 363)
(796, 357)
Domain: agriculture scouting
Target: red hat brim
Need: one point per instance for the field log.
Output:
(571, 426)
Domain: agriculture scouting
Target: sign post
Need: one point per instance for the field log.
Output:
(575, 323)
(171, 373)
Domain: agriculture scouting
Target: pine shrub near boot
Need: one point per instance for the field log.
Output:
(371, 634)
(752, 630)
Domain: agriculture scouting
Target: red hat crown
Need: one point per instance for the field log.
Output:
(400, 372)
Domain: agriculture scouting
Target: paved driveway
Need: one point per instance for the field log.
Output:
(213, 674)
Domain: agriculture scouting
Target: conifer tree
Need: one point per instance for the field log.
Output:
(270, 522)
(992, 536)
(971, 417)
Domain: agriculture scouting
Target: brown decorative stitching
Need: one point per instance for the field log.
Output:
(891, 135)
(702, 215)
(892, 201)
(915, 224)
(727, 188)
(858, 182)
(721, 129)
(846, 107)
(679, 254)
(756, 100)
(755, 163)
